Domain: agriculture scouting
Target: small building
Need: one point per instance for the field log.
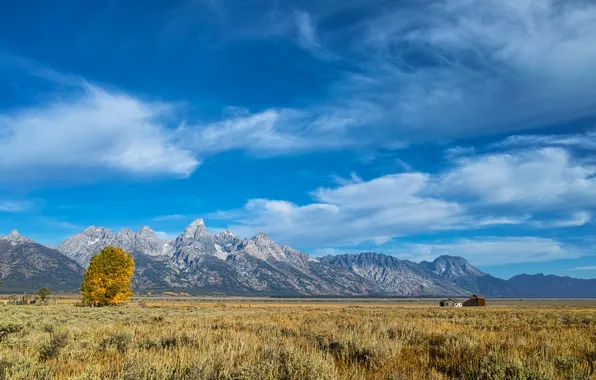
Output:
(476, 300)
(450, 302)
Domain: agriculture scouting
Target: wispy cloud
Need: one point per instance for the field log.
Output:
(585, 140)
(14, 206)
(494, 250)
(584, 268)
(163, 218)
(307, 35)
(577, 219)
(59, 223)
(419, 72)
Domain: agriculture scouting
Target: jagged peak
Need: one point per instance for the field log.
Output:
(145, 229)
(15, 237)
(195, 230)
(197, 223)
(262, 236)
(93, 229)
(14, 234)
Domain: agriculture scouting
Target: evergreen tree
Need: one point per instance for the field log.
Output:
(107, 279)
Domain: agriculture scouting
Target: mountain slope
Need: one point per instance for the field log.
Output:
(222, 263)
(394, 276)
(540, 285)
(28, 266)
(467, 276)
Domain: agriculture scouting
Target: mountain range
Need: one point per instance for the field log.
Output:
(198, 261)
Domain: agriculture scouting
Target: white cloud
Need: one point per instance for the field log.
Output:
(586, 140)
(493, 250)
(577, 219)
(166, 236)
(537, 177)
(373, 211)
(14, 206)
(584, 268)
(91, 131)
(529, 188)
(503, 220)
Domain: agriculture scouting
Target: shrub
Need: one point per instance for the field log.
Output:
(52, 348)
(119, 341)
(8, 329)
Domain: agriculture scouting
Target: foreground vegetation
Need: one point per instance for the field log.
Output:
(241, 339)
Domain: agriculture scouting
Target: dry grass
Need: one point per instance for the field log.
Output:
(242, 339)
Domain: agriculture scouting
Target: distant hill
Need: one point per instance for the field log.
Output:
(28, 266)
(467, 276)
(541, 285)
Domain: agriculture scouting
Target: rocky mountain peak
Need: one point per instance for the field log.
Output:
(125, 232)
(453, 267)
(195, 231)
(145, 231)
(94, 230)
(14, 234)
(262, 238)
(15, 238)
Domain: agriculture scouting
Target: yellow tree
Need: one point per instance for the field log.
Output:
(107, 279)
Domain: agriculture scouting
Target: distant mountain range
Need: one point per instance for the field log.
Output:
(200, 262)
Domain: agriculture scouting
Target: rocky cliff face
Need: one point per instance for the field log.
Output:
(467, 276)
(28, 266)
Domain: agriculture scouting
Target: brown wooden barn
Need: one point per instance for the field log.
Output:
(476, 300)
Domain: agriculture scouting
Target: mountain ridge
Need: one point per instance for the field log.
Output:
(26, 265)
(198, 261)
(461, 272)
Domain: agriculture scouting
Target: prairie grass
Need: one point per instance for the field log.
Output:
(239, 339)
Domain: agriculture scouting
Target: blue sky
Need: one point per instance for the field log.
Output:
(416, 129)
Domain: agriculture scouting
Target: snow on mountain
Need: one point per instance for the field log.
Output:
(81, 247)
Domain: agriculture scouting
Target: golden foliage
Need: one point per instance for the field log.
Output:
(107, 279)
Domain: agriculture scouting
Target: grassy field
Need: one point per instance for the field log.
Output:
(299, 339)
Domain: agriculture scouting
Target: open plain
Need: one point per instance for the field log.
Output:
(299, 339)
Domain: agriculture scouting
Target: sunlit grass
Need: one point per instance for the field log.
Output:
(240, 339)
